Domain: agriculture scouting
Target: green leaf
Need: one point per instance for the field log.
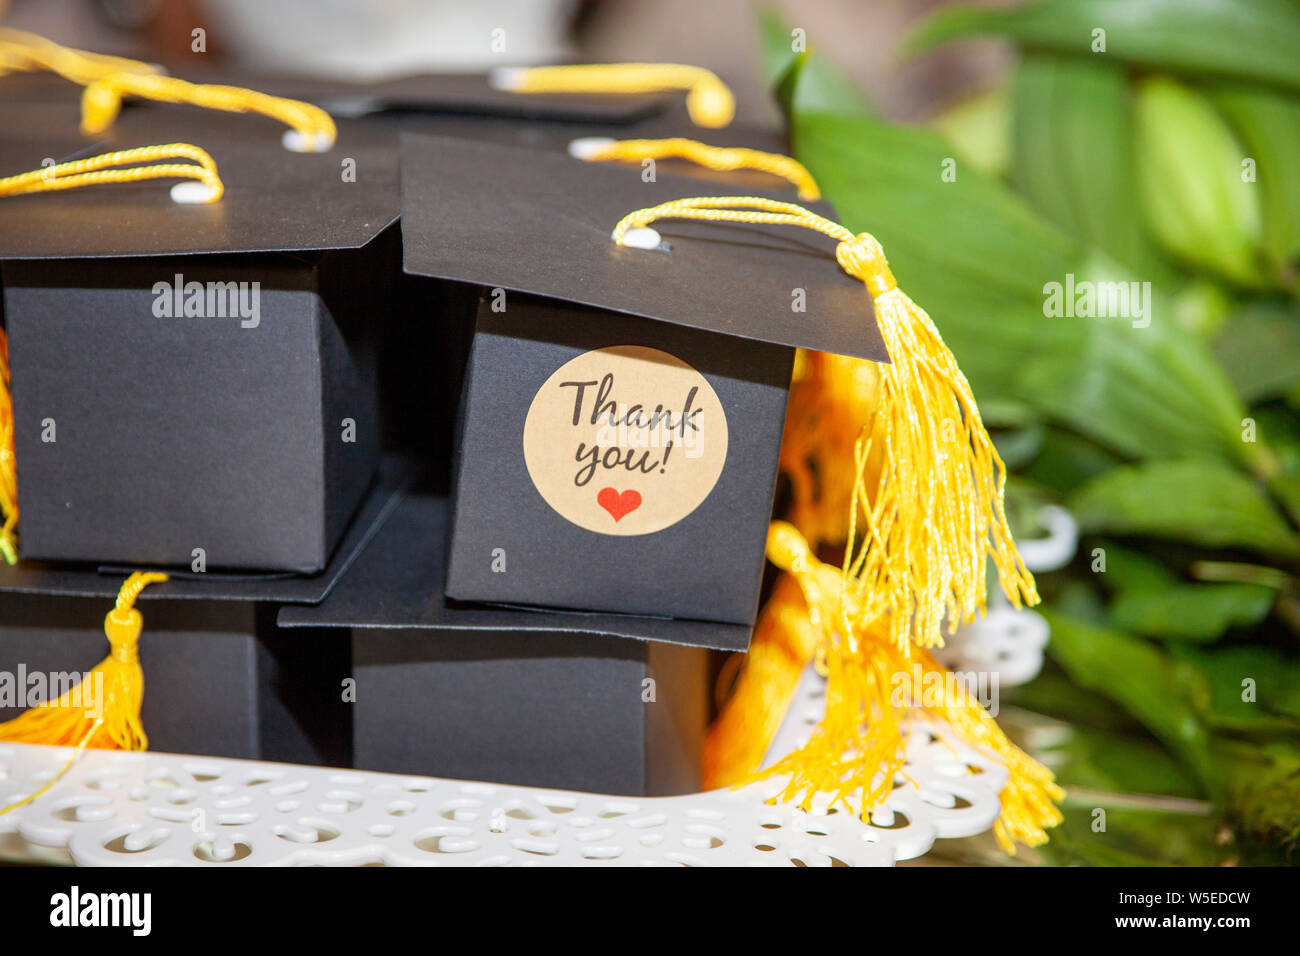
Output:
(1190, 184)
(1067, 461)
(821, 84)
(1272, 696)
(1133, 573)
(1268, 124)
(1007, 413)
(1073, 155)
(1135, 836)
(978, 259)
(890, 176)
(1147, 390)
(1192, 612)
(1018, 446)
(1262, 790)
(1161, 693)
(1195, 501)
(1286, 488)
(1202, 305)
(1279, 427)
(1252, 39)
(775, 46)
(1050, 693)
(1078, 599)
(1036, 167)
(1259, 348)
(1121, 764)
(979, 128)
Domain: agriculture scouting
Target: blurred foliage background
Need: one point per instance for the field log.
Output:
(1132, 140)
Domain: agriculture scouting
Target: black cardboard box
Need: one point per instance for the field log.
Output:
(544, 709)
(669, 367)
(539, 698)
(151, 439)
(148, 435)
(699, 490)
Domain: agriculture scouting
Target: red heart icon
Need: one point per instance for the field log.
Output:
(618, 504)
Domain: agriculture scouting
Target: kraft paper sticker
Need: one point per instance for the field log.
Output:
(625, 440)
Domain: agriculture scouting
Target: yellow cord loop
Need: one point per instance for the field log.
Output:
(21, 51)
(711, 157)
(931, 509)
(119, 167)
(8, 463)
(745, 209)
(708, 101)
(102, 99)
(108, 79)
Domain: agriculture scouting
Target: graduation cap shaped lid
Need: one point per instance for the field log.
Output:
(540, 222)
(275, 200)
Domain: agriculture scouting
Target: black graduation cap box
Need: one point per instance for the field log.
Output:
(623, 407)
(196, 381)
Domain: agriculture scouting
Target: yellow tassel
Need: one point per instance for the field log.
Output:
(8, 464)
(99, 170)
(933, 510)
(926, 490)
(108, 79)
(708, 101)
(936, 509)
(104, 715)
(86, 715)
(784, 642)
(721, 158)
(858, 748)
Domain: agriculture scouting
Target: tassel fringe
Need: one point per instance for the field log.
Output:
(857, 751)
(86, 715)
(784, 642)
(929, 491)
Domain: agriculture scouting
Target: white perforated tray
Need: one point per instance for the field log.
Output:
(136, 809)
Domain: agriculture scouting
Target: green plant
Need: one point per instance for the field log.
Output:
(1162, 153)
